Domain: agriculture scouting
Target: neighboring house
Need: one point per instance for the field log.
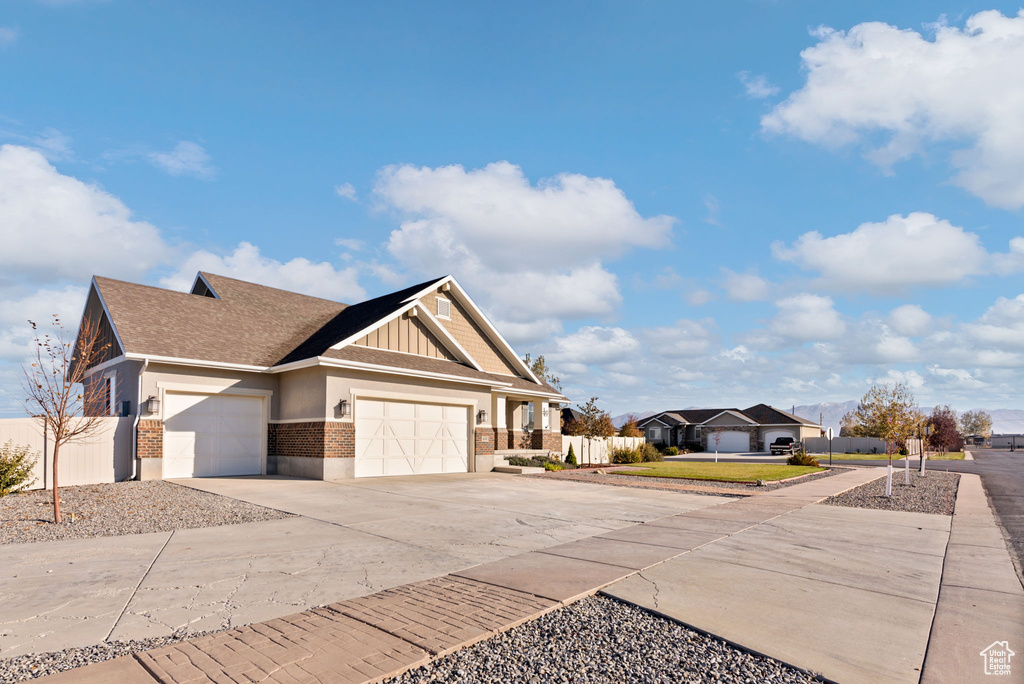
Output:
(235, 378)
(752, 429)
(570, 419)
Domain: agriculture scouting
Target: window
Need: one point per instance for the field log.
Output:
(528, 417)
(696, 432)
(444, 308)
(655, 433)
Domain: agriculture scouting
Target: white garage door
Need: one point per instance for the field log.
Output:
(403, 438)
(209, 435)
(773, 435)
(732, 442)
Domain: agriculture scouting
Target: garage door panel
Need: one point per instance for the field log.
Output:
(415, 438)
(730, 441)
(212, 435)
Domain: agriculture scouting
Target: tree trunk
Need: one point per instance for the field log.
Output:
(56, 492)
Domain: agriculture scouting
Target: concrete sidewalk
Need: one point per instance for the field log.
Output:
(366, 639)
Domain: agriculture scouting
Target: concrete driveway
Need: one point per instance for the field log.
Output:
(347, 539)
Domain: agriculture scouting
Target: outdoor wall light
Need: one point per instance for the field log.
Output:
(345, 408)
(153, 405)
(481, 416)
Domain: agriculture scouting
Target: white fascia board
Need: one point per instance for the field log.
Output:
(752, 422)
(393, 370)
(430, 288)
(435, 327)
(373, 326)
(110, 319)
(789, 425)
(482, 321)
(199, 363)
(511, 391)
(106, 364)
(651, 419)
(201, 277)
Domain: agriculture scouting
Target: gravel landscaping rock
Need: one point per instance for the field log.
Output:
(32, 665)
(602, 640)
(933, 493)
(107, 510)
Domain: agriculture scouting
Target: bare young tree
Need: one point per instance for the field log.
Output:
(58, 392)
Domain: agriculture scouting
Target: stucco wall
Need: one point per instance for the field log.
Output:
(303, 395)
(728, 419)
(209, 377)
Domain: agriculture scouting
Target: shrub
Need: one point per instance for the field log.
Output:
(802, 458)
(671, 451)
(570, 458)
(534, 462)
(649, 452)
(15, 468)
(622, 455)
(553, 466)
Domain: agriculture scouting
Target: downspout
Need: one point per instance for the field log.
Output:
(135, 425)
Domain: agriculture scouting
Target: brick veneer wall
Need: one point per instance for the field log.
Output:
(708, 442)
(150, 436)
(483, 441)
(545, 439)
(315, 439)
(501, 438)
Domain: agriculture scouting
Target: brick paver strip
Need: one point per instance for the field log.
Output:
(317, 645)
(444, 614)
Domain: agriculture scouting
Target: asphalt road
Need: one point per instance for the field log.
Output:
(1002, 474)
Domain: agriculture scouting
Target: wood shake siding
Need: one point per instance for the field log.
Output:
(405, 334)
(105, 335)
(465, 330)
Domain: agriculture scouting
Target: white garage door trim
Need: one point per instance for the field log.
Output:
(173, 389)
(732, 442)
(442, 418)
(772, 435)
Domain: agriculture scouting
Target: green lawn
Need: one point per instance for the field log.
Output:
(730, 472)
(948, 456)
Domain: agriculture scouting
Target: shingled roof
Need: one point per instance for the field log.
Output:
(256, 325)
(762, 414)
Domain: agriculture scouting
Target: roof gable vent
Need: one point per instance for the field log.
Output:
(444, 308)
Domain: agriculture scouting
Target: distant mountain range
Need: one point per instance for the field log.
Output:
(831, 412)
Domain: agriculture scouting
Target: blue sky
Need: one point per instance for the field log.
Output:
(677, 203)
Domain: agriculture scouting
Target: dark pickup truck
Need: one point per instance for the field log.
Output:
(784, 445)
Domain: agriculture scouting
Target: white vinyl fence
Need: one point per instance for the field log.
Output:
(597, 450)
(106, 455)
(845, 445)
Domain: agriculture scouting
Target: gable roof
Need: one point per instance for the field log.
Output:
(352, 320)
(248, 324)
(762, 414)
(234, 322)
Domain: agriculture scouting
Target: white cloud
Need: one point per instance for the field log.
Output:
(346, 190)
(757, 85)
(745, 287)
(682, 339)
(54, 226)
(910, 378)
(21, 305)
(298, 275)
(807, 317)
(531, 252)
(350, 244)
(910, 319)
(966, 85)
(891, 348)
(186, 159)
(596, 345)
(699, 297)
(900, 252)
(1001, 325)
(8, 36)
